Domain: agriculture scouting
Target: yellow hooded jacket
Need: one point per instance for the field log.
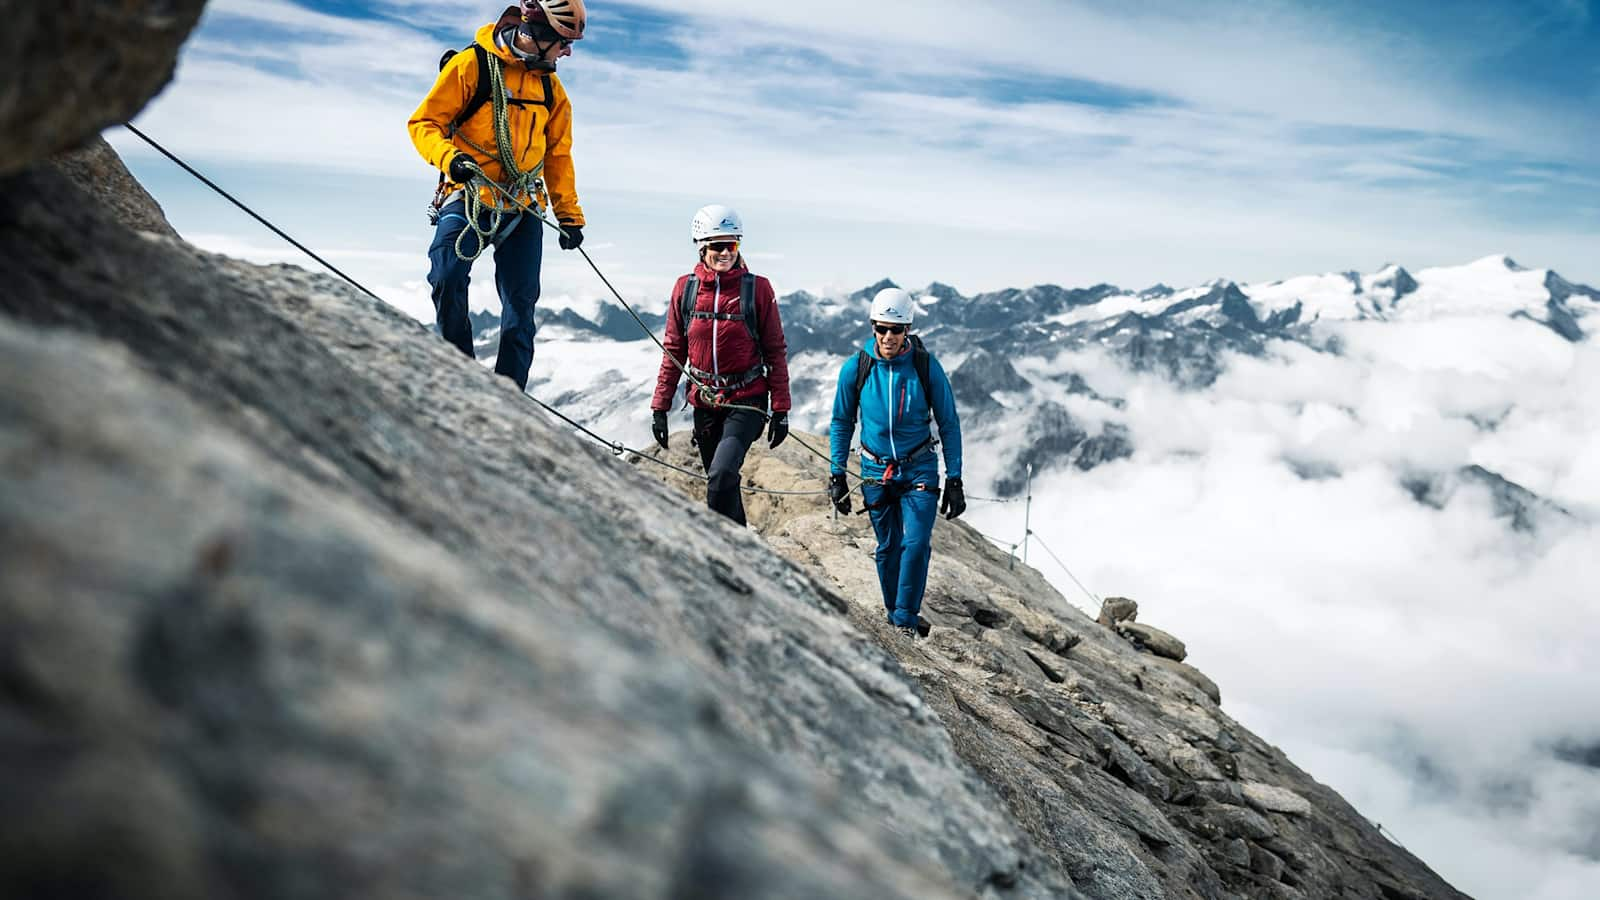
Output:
(536, 133)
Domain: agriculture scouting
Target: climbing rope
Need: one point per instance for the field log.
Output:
(617, 448)
(518, 183)
(1010, 545)
(705, 392)
(247, 210)
(1091, 594)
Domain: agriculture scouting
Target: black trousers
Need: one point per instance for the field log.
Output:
(724, 437)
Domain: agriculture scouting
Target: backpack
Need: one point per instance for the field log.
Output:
(481, 94)
(919, 361)
(747, 308)
(481, 90)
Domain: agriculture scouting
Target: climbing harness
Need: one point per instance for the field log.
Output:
(894, 490)
(890, 466)
(726, 383)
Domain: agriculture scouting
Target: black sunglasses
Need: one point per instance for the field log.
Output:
(889, 329)
(723, 246)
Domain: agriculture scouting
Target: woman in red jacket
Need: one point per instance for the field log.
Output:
(723, 329)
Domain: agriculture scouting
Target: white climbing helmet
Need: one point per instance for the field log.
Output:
(892, 305)
(716, 221)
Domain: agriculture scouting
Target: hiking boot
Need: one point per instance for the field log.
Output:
(907, 632)
(923, 627)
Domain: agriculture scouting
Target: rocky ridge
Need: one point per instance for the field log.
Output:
(1114, 755)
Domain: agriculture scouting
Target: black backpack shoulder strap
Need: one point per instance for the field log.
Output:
(480, 90)
(549, 92)
(864, 364)
(686, 300)
(747, 306)
(920, 361)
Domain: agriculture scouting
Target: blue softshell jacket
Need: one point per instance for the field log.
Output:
(894, 415)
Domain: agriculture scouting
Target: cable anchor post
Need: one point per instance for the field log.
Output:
(1027, 517)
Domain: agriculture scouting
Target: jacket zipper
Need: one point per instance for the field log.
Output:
(893, 453)
(533, 119)
(716, 308)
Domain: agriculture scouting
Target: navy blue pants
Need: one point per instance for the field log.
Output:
(724, 437)
(518, 251)
(904, 526)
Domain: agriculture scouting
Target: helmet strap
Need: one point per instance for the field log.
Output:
(535, 60)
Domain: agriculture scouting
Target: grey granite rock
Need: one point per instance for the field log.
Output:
(75, 66)
(1154, 640)
(1117, 609)
(392, 632)
(99, 171)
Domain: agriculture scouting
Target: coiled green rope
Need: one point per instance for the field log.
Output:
(517, 183)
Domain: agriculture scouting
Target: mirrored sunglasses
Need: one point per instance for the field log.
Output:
(723, 246)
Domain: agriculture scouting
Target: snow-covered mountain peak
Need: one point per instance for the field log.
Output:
(1495, 261)
(936, 292)
(866, 294)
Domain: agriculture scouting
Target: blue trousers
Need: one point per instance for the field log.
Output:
(518, 252)
(904, 526)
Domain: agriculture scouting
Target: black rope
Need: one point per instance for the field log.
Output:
(1012, 544)
(704, 389)
(1035, 535)
(616, 447)
(247, 210)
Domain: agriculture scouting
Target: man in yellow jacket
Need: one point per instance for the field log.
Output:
(499, 113)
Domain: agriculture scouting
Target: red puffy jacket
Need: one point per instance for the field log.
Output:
(723, 347)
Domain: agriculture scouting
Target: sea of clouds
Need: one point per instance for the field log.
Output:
(1434, 665)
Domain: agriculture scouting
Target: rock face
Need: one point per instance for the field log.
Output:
(98, 169)
(76, 66)
(1154, 640)
(330, 593)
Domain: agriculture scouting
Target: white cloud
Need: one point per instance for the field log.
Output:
(1395, 634)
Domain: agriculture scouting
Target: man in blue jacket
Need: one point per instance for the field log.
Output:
(897, 389)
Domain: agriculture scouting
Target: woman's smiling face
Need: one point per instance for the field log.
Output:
(720, 254)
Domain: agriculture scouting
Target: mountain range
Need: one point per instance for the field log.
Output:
(1016, 357)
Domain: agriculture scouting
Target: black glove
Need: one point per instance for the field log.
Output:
(571, 237)
(658, 427)
(954, 502)
(462, 168)
(839, 493)
(778, 429)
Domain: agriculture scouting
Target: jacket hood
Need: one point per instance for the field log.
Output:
(485, 36)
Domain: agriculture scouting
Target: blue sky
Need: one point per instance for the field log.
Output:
(982, 145)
